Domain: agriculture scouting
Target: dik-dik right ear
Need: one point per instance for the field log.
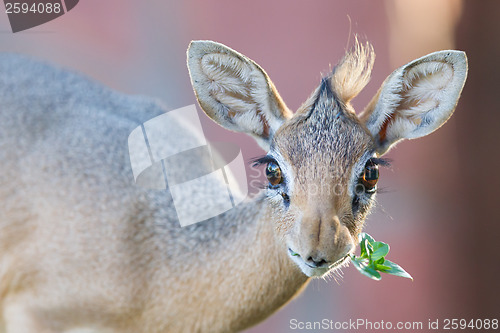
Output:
(235, 92)
(416, 99)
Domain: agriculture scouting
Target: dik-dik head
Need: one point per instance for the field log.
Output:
(322, 162)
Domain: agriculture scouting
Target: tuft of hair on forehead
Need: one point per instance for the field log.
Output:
(353, 72)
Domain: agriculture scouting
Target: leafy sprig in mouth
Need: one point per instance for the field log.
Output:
(372, 262)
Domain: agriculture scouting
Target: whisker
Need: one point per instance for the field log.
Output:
(384, 162)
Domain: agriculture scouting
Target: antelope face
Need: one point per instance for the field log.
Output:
(322, 174)
(322, 161)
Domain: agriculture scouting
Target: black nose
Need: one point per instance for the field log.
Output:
(316, 262)
(312, 260)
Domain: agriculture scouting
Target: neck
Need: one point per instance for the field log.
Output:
(241, 280)
(262, 278)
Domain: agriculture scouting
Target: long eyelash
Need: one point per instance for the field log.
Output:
(383, 190)
(262, 160)
(385, 162)
(262, 186)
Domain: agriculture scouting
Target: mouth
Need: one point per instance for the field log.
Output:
(316, 271)
(340, 261)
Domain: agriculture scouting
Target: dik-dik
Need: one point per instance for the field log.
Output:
(81, 246)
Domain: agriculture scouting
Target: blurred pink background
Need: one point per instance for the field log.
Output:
(439, 209)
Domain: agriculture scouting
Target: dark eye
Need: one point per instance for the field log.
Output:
(369, 178)
(273, 173)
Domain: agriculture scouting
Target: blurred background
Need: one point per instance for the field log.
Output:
(438, 210)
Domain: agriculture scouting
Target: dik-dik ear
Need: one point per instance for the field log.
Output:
(416, 99)
(234, 91)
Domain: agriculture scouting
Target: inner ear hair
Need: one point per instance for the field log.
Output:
(234, 91)
(416, 99)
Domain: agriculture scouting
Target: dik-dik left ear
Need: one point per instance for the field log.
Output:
(416, 99)
(235, 92)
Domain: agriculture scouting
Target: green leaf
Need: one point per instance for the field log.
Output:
(394, 269)
(364, 249)
(380, 250)
(366, 236)
(371, 273)
(356, 262)
(366, 246)
(372, 259)
(365, 269)
(381, 267)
